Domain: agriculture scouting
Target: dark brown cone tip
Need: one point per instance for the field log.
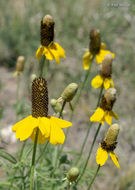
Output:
(47, 32)
(39, 98)
(107, 105)
(107, 147)
(95, 41)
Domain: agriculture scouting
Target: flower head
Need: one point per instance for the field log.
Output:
(19, 65)
(104, 111)
(49, 127)
(104, 78)
(69, 92)
(73, 174)
(108, 145)
(48, 47)
(96, 48)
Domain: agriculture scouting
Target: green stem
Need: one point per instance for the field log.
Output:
(78, 95)
(43, 151)
(93, 179)
(90, 151)
(18, 87)
(22, 149)
(42, 65)
(33, 160)
(62, 108)
(88, 130)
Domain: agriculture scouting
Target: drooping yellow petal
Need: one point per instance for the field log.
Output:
(114, 159)
(100, 56)
(114, 115)
(98, 115)
(44, 126)
(101, 156)
(60, 122)
(47, 52)
(39, 52)
(86, 60)
(107, 83)
(108, 117)
(25, 127)
(111, 83)
(41, 139)
(60, 50)
(16, 73)
(97, 81)
(56, 135)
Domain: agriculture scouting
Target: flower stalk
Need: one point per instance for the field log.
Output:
(89, 154)
(33, 160)
(93, 179)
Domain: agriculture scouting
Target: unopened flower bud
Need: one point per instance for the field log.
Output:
(20, 64)
(73, 174)
(106, 66)
(112, 134)
(47, 30)
(33, 77)
(69, 92)
(95, 41)
(110, 141)
(108, 99)
(55, 105)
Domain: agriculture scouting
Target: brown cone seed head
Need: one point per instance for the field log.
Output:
(47, 30)
(39, 98)
(112, 134)
(95, 41)
(108, 99)
(106, 66)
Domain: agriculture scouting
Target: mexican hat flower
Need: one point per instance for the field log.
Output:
(48, 47)
(96, 49)
(104, 78)
(19, 65)
(49, 127)
(104, 111)
(108, 145)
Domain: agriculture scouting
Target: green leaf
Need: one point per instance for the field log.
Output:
(8, 156)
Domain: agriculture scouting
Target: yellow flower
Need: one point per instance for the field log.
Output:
(101, 115)
(102, 156)
(48, 47)
(108, 145)
(99, 56)
(51, 52)
(49, 128)
(98, 81)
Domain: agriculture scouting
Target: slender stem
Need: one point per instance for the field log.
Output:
(90, 151)
(42, 65)
(62, 108)
(93, 179)
(68, 187)
(88, 130)
(18, 87)
(33, 160)
(22, 149)
(78, 95)
(43, 151)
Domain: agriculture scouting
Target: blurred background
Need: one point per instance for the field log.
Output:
(20, 35)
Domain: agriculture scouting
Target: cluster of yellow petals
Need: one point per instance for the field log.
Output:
(49, 128)
(51, 52)
(102, 156)
(98, 81)
(101, 115)
(99, 57)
